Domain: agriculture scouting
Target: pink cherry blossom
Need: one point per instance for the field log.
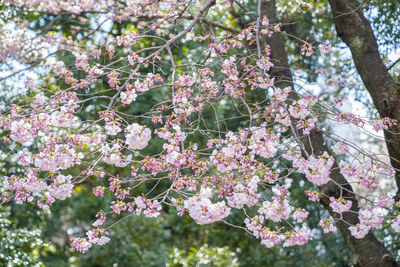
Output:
(299, 236)
(317, 170)
(203, 211)
(340, 205)
(128, 97)
(137, 137)
(21, 131)
(61, 187)
(112, 128)
(339, 148)
(98, 237)
(396, 224)
(300, 215)
(371, 217)
(327, 225)
(80, 244)
(276, 210)
(231, 134)
(385, 201)
(359, 230)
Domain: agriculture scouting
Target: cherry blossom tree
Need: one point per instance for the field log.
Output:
(207, 161)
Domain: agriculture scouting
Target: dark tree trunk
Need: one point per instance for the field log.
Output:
(355, 30)
(368, 251)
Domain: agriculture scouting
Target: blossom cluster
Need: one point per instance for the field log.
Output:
(211, 164)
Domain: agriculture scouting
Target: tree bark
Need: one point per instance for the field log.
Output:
(368, 251)
(355, 30)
